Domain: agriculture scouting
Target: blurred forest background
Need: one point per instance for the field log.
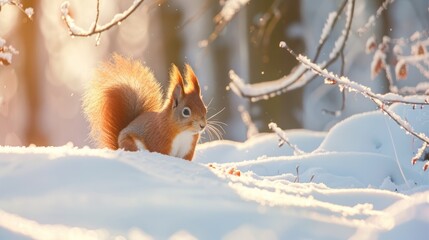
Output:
(40, 92)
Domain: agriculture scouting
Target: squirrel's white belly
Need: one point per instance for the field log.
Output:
(182, 144)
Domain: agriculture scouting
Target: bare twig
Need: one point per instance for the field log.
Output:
(297, 174)
(266, 25)
(95, 28)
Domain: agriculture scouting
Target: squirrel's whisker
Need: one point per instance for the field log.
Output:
(219, 130)
(214, 115)
(218, 126)
(219, 133)
(209, 133)
(215, 131)
(210, 102)
(200, 140)
(219, 122)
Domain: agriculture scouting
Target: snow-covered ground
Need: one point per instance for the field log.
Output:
(355, 181)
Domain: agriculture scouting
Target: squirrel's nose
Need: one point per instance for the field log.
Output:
(202, 126)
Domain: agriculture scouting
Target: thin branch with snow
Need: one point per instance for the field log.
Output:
(383, 101)
(299, 76)
(371, 20)
(283, 139)
(229, 10)
(419, 153)
(331, 21)
(6, 53)
(95, 28)
(418, 57)
(332, 79)
(29, 12)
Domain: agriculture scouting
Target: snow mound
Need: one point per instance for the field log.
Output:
(355, 181)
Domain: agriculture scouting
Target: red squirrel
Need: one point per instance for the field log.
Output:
(126, 109)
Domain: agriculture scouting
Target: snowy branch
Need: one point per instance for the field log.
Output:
(332, 79)
(418, 57)
(283, 139)
(372, 18)
(265, 90)
(29, 12)
(327, 29)
(229, 10)
(419, 153)
(95, 28)
(7, 51)
(300, 75)
(383, 101)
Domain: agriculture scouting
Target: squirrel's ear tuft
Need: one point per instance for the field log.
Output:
(176, 89)
(191, 80)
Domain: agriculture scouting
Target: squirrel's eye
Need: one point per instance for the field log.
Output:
(186, 112)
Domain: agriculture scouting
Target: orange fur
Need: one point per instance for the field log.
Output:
(124, 105)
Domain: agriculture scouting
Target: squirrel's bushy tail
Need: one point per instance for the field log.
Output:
(121, 90)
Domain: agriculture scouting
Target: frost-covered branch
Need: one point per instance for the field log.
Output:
(265, 90)
(373, 18)
(283, 139)
(332, 79)
(383, 101)
(95, 28)
(27, 11)
(7, 51)
(418, 57)
(229, 10)
(419, 153)
(331, 21)
(300, 75)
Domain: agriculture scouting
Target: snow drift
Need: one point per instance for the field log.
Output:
(355, 181)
